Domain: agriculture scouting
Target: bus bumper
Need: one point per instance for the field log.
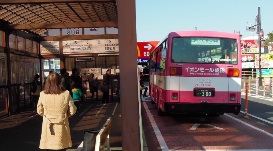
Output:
(207, 108)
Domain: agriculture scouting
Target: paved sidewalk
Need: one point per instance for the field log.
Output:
(24, 128)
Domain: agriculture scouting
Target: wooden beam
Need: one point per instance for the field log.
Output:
(50, 1)
(129, 99)
(63, 25)
(79, 37)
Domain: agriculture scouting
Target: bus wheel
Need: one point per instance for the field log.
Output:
(152, 101)
(159, 111)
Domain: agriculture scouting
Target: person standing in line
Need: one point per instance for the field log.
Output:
(77, 95)
(55, 105)
(76, 78)
(65, 80)
(35, 91)
(106, 84)
(93, 84)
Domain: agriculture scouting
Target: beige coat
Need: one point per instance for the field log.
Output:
(55, 110)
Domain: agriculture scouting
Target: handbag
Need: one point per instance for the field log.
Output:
(89, 140)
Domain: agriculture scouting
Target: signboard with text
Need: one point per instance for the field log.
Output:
(265, 72)
(144, 49)
(90, 46)
(266, 61)
(251, 46)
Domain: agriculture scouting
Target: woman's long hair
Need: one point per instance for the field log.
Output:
(53, 84)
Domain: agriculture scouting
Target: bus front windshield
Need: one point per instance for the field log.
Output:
(204, 50)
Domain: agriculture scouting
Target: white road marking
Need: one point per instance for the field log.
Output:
(249, 125)
(80, 148)
(85, 110)
(256, 117)
(164, 146)
(158, 134)
(194, 127)
(115, 109)
(100, 109)
(216, 127)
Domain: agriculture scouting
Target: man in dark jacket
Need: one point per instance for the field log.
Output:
(66, 80)
(106, 84)
(35, 90)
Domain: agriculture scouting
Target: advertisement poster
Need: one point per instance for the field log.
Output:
(90, 46)
(88, 71)
(251, 46)
(266, 60)
(49, 47)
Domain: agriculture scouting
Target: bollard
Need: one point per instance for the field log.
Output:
(249, 83)
(272, 88)
(257, 86)
(246, 101)
(244, 86)
(264, 88)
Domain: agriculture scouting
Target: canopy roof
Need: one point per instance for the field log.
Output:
(37, 16)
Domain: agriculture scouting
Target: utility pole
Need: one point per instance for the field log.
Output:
(260, 34)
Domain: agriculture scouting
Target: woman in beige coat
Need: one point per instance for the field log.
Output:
(55, 105)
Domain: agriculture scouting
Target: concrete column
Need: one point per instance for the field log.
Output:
(128, 75)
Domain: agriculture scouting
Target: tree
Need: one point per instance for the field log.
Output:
(269, 40)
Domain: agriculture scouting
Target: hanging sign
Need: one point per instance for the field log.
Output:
(90, 46)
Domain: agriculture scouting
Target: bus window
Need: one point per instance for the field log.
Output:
(204, 50)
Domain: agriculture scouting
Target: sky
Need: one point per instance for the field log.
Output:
(156, 18)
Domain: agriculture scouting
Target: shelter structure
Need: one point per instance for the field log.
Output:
(25, 39)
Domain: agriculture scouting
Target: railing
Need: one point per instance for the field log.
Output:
(98, 140)
(250, 80)
(102, 139)
(247, 74)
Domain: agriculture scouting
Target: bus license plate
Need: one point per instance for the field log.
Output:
(204, 92)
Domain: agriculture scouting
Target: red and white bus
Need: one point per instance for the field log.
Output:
(196, 72)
